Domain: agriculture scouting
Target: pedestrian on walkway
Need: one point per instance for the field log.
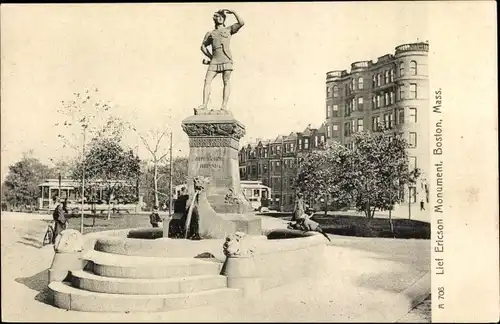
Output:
(59, 219)
(176, 225)
(422, 207)
(155, 218)
(299, 207)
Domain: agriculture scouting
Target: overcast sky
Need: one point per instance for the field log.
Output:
(146, 60)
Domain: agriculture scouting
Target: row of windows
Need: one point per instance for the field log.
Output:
(388, 118)
(387, 75)
(302, 144)
(263, 167)
(381, 99)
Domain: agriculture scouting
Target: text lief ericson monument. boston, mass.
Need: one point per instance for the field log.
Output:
(214, 143)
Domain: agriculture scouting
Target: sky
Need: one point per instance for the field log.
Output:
(146, 60)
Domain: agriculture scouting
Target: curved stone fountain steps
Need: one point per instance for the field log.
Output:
(88, 281)
(123, 266)
(67, 297)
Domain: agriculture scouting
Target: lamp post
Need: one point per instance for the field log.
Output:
(170, 182)
(409, 202)
(281, 177)
(83, 178)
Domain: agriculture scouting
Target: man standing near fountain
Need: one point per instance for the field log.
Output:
(220, 59)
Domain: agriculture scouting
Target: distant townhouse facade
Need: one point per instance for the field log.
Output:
(393, 91)
(274, 162)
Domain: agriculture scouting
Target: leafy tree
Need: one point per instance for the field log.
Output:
(86, 115)
(20, 187)
(107, 164)
(63, 167)
(377, 170)
(320, 174)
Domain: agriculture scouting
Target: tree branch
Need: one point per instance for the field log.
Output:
(159, 140)
(147, 145)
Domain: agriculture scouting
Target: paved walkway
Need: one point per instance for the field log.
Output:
(364, 279)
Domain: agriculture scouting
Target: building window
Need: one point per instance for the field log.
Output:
(401, 116)
(373, 102)
(413, 91)
(374, 81)
(412, 140)
(379, 79)
(360, 103)
(412, 165)
(378, 101)
(328, 111)
(292, 147)
(391, 75)
(353, 104)
(360, 124)
(328, 132)
(401, 92)
(335, 91)
(401, 69)
(375, 123)
(265, 152)
(347, 109)
(388, 121)
(347, 129)
(392, 97)
(360, 83)
(300, 144)
(386, 74)
(335, 127)
(306, 143)
(386, 99)
(353, 83)
(413, 68)
(412, 115)
(328, 92)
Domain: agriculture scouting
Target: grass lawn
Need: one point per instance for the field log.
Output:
(360, 226)
(376, 227)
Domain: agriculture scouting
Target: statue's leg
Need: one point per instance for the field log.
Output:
(226, 76)
(206, 87)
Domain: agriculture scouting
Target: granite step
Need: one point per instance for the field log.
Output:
(137, 267)
(88, 281)
(70, 298)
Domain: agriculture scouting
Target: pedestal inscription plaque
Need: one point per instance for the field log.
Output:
(214, 143)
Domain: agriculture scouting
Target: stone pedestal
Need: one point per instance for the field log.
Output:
(214, 144)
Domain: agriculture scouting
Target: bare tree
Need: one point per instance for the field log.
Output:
(153, 144)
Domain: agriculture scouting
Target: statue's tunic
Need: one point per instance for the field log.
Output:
(220, 40)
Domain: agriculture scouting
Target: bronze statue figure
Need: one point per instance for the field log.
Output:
(219, 59)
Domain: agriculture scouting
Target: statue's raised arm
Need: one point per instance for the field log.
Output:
(239, 22)
(219, 58)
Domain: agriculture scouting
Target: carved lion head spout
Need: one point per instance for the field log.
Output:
(69, 240)
(235, 246)
(200, 182)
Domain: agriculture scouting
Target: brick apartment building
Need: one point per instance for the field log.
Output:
(274, 162)
(394, 91)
